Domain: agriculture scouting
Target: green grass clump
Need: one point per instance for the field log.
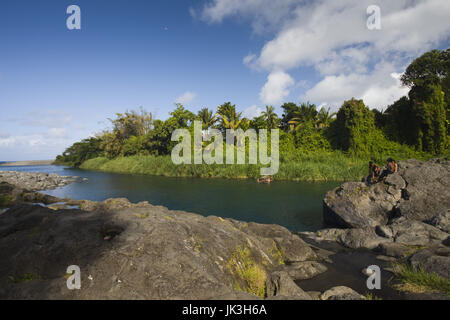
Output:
(5, 200)
(249, 273)
(142, 216)
(277, 254)
(371, 296)
(23, 278)
(418, 280)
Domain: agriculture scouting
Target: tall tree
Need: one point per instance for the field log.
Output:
(354, 127)
(289, 110)
(306, 113)
(230, 118)
(324, 118)
(182, 116)
(207, 117)
(427, 76)
(270, 117)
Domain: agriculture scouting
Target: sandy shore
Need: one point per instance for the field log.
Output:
(27, 163)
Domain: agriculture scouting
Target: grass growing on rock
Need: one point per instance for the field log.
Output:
(277, 253)
(371, 296)
(251, 277)
(419, 281)
(23, 278)
(4, 200)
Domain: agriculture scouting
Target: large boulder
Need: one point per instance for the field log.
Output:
(341, 293)
(432, 260)
(141, 252)
(393, 249)
(416, 233)
(441, 221)
(305, 270)
(428, 189)
(356, 205)
(418, 191)
(365, 238)
(280, 284)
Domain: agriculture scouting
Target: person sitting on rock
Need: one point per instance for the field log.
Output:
(391, 167)
(374, 173)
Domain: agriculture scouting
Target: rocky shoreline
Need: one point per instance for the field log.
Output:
(141, 251)
(35, 181)
(27, 163)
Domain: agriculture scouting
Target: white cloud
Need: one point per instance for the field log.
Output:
(186, 98)
(332, 37)
(57, 133)
(265, 14)
(249, 59)
(252, 112)
(276, 88)
(378, 89)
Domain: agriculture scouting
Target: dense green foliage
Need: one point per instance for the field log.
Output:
(79, 152)
(421, 120)
(314, 145)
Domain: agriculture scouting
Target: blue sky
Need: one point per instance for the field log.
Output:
(58, 85)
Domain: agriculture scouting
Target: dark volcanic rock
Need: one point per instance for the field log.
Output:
(416, 233)
(279, 283)
(419, 191)
(392, 249)
(428, 186)
(361, 238)
(11, 195)
(356, 205)
(305, 270)
(139, 252)
(35, 181)
(341, 293)
(441, 221)
(432, 260)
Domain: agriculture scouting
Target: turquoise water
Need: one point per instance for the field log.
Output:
(295, 205)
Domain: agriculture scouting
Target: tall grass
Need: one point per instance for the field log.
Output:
(418, 280)
(296, 166)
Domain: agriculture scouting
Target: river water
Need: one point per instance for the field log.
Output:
(294, 205)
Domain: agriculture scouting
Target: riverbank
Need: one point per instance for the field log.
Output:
(323, 167)
(35, 181)
(296, 166)
(27, 163)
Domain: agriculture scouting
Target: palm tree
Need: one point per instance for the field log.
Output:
(324, 118)
(306, 113)
(270, 117)
(207, 117)
(235, 123)
(230, 118)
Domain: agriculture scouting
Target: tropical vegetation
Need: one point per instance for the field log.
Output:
(314, 144)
